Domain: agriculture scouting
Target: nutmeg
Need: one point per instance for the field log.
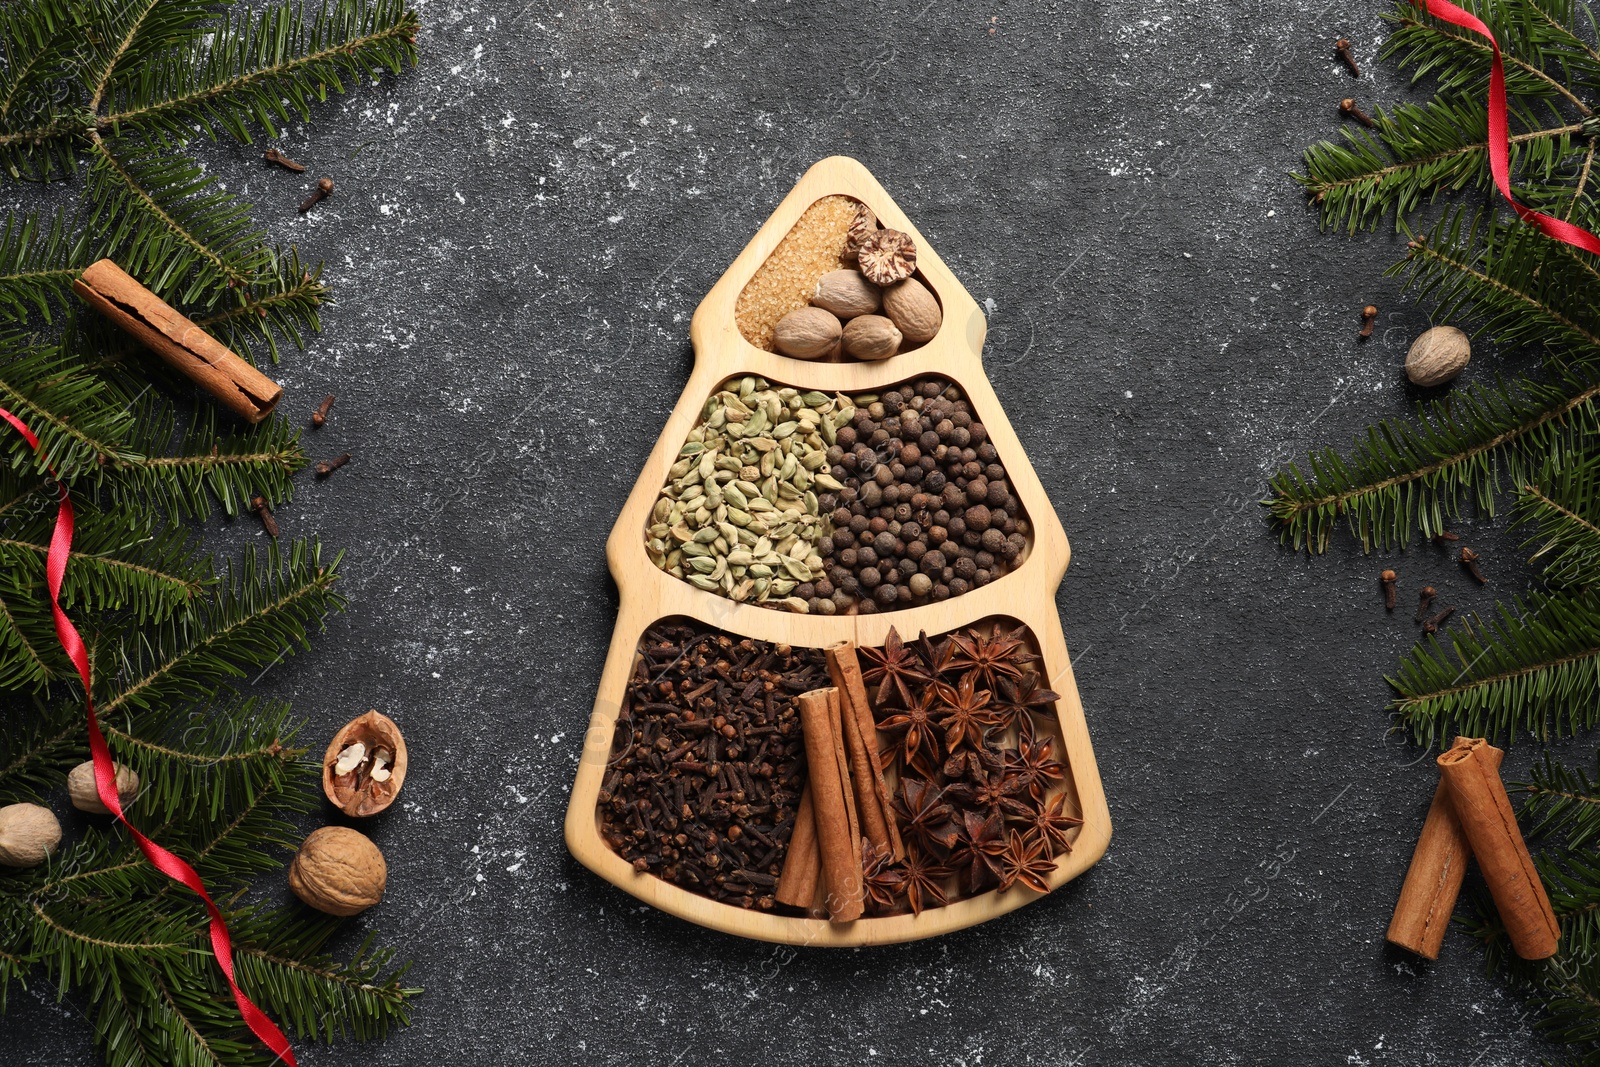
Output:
(806, 333)
(913, 310)
(846, 293)
(365, 765)
(887, 256)
(28, 835)
(871, 337)
(338, 871)
(85, 797)
(1437, 356)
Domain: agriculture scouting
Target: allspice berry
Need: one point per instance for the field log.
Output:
(1437, 356)
(85, 797)
(28, 835)
(338, 871)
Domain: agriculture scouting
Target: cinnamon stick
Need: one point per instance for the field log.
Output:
(1481, 804)
(832, 804)
(802, 867)
(1433, 881)
(878, 823)
(240, 388)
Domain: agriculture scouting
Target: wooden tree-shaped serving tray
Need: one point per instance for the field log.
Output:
(648, 594)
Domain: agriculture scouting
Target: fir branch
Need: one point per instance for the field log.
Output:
(1401, 477)
(1534, 669)
(208, 464)
(37, 748)
(38, 261)
(261, 615)
(265, 67)
(1524, 288)
(1564, 513)
(281, 953)
(1533, 43)
(169, 224)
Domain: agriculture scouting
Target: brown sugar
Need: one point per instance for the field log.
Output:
(784, 282)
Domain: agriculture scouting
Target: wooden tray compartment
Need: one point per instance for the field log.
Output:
(1026, 594)
(732, 383)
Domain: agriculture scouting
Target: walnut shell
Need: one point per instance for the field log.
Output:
(846, 293)
(28, 835)
(806, 333)
(338, 871)
(913, 309)
(356, 792)
(887, 257)
(85, 797)
(871, 337)
(1437, 356)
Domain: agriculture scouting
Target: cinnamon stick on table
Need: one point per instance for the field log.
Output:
(861, 744)
(240, 388)
(1470, 769)
(832, 804)
(1433, 881)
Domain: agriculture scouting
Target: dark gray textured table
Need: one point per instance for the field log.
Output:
(523, 228)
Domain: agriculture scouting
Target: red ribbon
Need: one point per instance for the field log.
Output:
(105, 774)
(1500, 134)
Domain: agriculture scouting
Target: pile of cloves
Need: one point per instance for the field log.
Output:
(707, 763)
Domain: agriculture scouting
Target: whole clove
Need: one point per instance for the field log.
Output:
(1348, 108)
(1425, 602)
(328, 466)
(272, 155)
(1369, 318)
(1387, 580)
(1436, 621)
(1469, 563)
(323, 190)
(1341, 48)
(258, 504)
(320, 416)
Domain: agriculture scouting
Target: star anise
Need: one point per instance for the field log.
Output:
(918, 744)
(1000, 655)
(883, 878)
(1051, 824)
(1025, 860)
(1018, 699)
(977, 855)
(893, 668)
(973, 763)
(963, 712)
(925, 819)
(1035, 765)
(924, 880)
(993, 793)
(936, 656)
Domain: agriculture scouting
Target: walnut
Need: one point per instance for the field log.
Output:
(888, 256)
(85, 797)
(28, 835)
(365, 765)
(338, 871)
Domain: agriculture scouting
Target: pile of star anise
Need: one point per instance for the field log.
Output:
(973, 746)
